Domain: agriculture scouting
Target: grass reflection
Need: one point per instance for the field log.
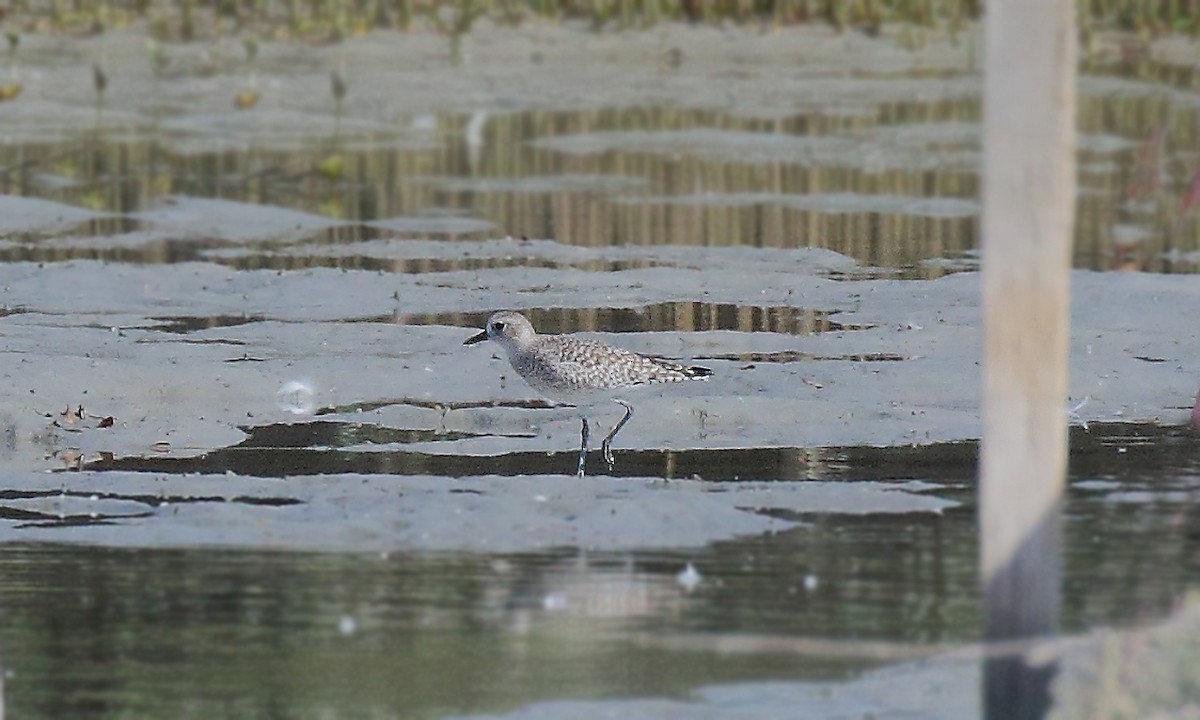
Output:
(689, 198)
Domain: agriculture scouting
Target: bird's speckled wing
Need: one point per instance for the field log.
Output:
(571, 363)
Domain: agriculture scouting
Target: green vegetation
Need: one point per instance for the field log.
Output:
(333, 19)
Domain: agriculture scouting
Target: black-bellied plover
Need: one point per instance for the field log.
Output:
(580, 371)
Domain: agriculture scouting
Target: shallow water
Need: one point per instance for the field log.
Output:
(895, 191)
(100, 632)
(293, 493)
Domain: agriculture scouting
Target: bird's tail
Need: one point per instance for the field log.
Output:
(689, 372)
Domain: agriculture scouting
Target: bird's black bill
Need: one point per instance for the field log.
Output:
(476, 338)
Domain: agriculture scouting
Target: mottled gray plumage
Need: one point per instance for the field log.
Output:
(580, 371)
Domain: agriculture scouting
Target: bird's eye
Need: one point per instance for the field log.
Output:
(497, 326)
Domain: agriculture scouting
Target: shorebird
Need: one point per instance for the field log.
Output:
(580, 371)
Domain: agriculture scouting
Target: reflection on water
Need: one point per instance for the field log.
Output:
(325, 447)
(684, 316)
(92, 632)
(887, 191)
(273, 261)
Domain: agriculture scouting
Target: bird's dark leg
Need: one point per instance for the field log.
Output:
(607, 444)
(583, 446)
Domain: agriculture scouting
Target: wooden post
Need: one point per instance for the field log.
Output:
(1028, 215)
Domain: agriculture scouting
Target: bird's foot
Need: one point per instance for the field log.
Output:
(608, 457)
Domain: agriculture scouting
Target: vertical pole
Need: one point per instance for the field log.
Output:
(1028, 215)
